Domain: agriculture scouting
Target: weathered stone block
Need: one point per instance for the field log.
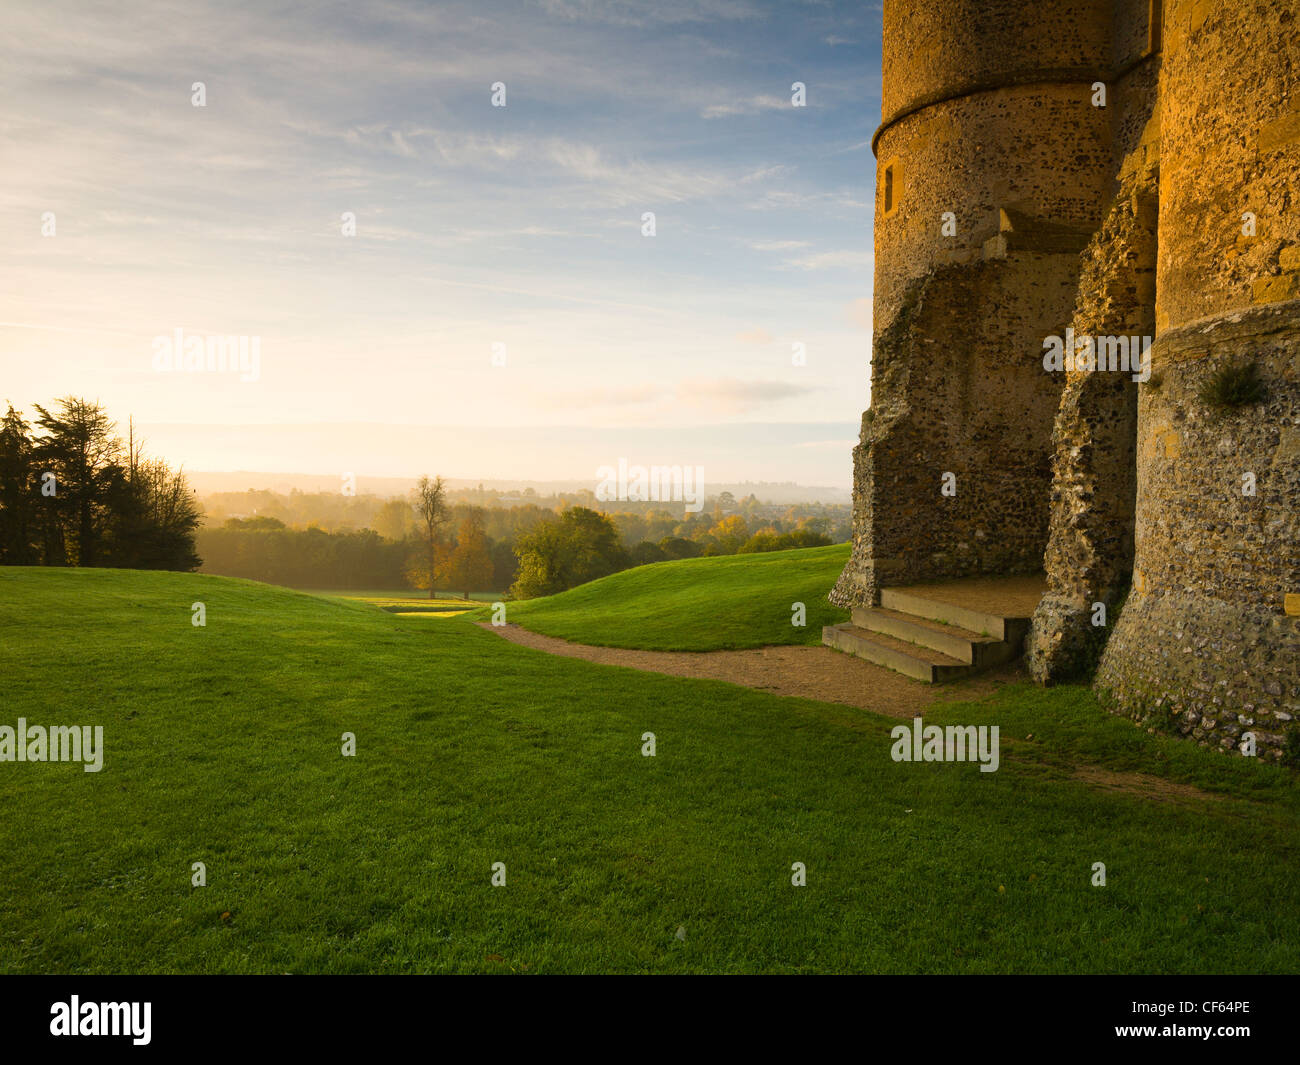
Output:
(1280, 132)
(1275, 289)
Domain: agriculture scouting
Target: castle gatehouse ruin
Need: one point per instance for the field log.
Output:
(1097, 169)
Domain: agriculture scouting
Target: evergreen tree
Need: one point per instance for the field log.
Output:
(79, 448)
(74, 495)
(18, 492)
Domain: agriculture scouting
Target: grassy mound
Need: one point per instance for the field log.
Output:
(222, 745)
(698, 604)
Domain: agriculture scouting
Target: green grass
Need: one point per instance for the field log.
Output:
(401, 604)
(410, 602)
(222, 746)
(698, 604)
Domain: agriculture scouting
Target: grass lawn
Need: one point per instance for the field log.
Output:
(222, 746)
(397, 602)
(698, 604)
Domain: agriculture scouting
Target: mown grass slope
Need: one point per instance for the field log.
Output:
(698, 604)
(223, 746)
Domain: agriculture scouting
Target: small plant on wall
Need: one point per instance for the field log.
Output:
(1234, 384)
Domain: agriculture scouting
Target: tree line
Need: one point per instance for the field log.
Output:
(394, 518)
(73, 493)
(438, 545)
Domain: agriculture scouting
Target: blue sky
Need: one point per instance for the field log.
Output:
(475, 225)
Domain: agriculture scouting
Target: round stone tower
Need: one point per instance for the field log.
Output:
(981, 110)
(992, 169)
(1208, 641)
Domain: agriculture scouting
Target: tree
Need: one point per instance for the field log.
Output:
(18, 492)
(820, 525)
(730, 533)
(394, 519)
(257, 523)
(430, 557)
(426, 571)
(154, 515)
(264, 549)
(75, 495)
(471, 563)
(647, 552)
(764, 540)
(505, 566)
(595, 548)
(679, 547)
(80, 450)
(804, 538)
(540, 554)
(582, 546)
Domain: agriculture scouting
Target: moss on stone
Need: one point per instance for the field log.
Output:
(1234, 384)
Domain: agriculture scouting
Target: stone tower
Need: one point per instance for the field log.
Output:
(1099, 169)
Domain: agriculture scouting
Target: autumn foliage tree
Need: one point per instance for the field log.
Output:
(729, 533)
(471, 566)
(426, 570)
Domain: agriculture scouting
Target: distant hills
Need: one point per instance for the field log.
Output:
(206, 483)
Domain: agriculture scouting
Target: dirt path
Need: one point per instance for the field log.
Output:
(808, 672)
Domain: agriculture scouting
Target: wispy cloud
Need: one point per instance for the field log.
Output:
(750, 106)
(638, 13)
(732, 396)
(777, 245)
(835, 260)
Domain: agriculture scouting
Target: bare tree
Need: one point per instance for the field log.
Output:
(431, 506)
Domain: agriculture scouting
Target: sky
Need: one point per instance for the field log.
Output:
(500, 303)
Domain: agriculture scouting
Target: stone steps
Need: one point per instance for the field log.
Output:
(910, 659)
(936, 633)
(960, 615)
(965, 645)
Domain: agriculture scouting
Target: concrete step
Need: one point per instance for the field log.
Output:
(910, 659)
(1009, 629)
(962, 644)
